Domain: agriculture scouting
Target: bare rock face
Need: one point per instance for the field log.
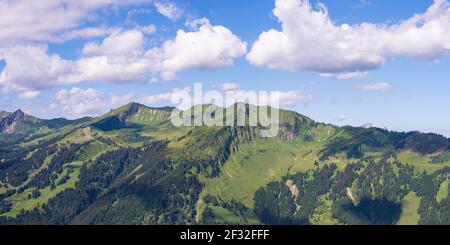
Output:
(9, 122)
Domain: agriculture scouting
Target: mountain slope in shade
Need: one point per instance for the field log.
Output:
(132, 166)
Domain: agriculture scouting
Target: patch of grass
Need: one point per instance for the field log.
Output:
(420, 162)
(150, 116)
(443, 191)
(409, 215)
(324, 132)
(21, 201)
(413, 157)
(76, 137)
(258, 163)
(226, 216)
(199, 143)
(173, 135)
(135, 170)
(429, 168)
(46, 137)
(119, 136)
(93, 150)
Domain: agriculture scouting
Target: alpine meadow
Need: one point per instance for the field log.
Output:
(199, 113)
(132, 166)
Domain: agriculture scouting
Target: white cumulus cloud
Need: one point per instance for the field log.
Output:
(32, 68)
(290, 98)
(168, 9)
(294, 97)
(118, 43)
(310, 40)
(121, 57)
(208, 47)
(77, 102)
(25, 20)
(29, 94)
(148, 29)
(165, 96)
(374, 86)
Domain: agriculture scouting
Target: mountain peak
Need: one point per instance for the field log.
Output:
(132, 115)
(9, 121)
(134, 104)
(19, 113)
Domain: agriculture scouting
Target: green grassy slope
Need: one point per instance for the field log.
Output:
(410, 206)
(218, 168)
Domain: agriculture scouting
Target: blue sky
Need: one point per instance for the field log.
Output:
(392, 71)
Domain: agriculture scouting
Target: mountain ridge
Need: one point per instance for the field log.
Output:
(132, 166)
(133, 107)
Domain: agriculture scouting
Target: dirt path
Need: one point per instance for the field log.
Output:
(293, 188)
(350, 195)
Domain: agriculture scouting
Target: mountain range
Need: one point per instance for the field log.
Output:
(133, 166)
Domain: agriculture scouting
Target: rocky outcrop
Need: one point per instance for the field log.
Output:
(9, 122)
(367, 125)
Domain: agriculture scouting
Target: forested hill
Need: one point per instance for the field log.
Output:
(132, 166)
